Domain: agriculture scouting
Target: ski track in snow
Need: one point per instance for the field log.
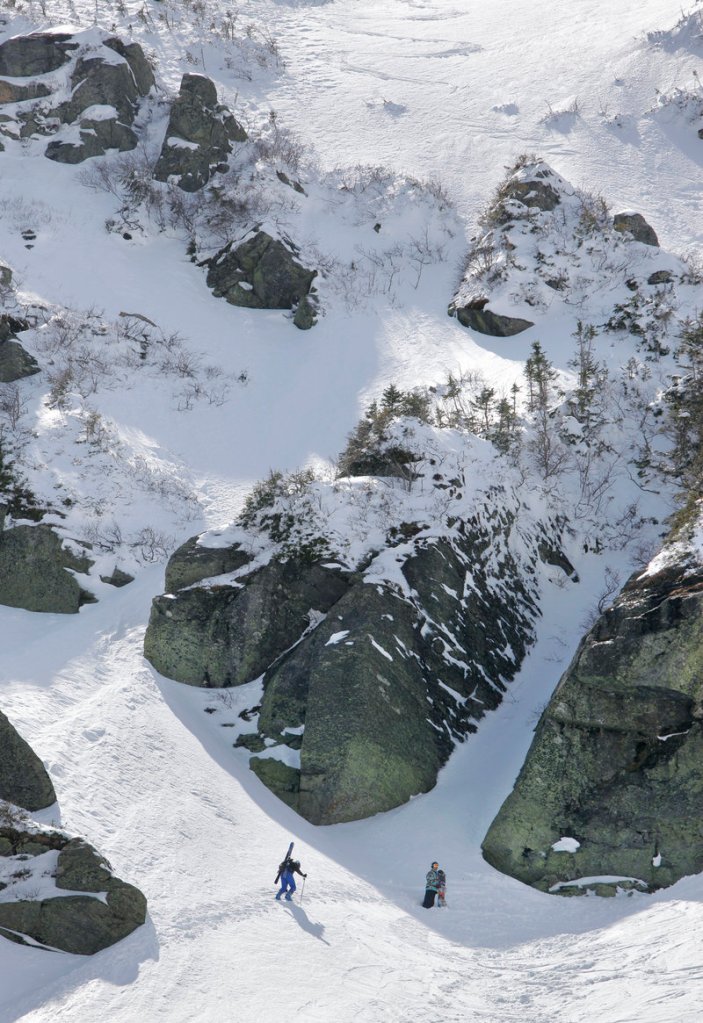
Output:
(139, 770)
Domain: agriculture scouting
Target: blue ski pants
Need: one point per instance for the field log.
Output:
(287, 884)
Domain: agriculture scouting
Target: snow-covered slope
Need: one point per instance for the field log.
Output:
(432, 90)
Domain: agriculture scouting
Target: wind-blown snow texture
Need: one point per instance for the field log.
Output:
(434, 90)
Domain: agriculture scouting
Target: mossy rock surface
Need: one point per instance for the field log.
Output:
(199, 137)
(228, 635)
(260, 273)
(36, 571)
(79, 924)
(617, 758)
(284, 781)
(374, 687)
(23, 778)
(191, 563)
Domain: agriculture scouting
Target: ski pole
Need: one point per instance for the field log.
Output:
(302, 891)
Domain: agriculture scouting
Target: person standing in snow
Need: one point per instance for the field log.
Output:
(285, 876)
(431, 885)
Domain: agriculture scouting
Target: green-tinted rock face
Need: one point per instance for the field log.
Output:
(228, 635)
(367, 745)
(97, 136)
(617, 758)
(96, 83)
(15, 362)
(383, 692)
(192, 563)
(34, 571)
(81, 869)
(78, 923)
(305, 315)
(536, 192)
(261, 273)
(23, 778)
(376, 693)
(199, 135)
(283, 781)
(74, 923)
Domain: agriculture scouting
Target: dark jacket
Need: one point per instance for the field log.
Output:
(288, 867)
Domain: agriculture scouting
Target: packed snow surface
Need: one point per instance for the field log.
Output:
(433, 89)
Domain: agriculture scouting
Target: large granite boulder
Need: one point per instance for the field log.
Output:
(80, 924)
(23, 778)
(199, 135)
(97, 135)
(37, 571)
(635, 225)
(192, 562)
(102, 82)
(15, 362)
(475, 315)
(229, 634)
(35, 54)
(106, 85)
(260, 273)
(367, 684)
(613, 782)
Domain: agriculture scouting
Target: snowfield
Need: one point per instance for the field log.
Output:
(442, 92)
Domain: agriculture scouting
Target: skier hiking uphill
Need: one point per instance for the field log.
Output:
(285, 876)
(432, 885)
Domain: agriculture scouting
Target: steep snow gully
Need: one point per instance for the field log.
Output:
(434, 89)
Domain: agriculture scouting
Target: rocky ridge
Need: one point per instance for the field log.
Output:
(375, 659)
(545, 242)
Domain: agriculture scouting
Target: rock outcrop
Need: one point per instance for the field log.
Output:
(106, 82)
(612, 786)
(367, 684)
(37, 571)
(78, 923)
(199, 135)
(544, 243)
(476, 316)
(23, 777)
(105, 94)
(263, 273)
(226, 635)
(39, 864)
(15, 362)
(635, 225)
(37, 54)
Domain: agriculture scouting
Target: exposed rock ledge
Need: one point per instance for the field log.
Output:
(613, 782)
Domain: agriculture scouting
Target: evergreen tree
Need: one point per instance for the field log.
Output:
(584, 401)
(540, 376)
